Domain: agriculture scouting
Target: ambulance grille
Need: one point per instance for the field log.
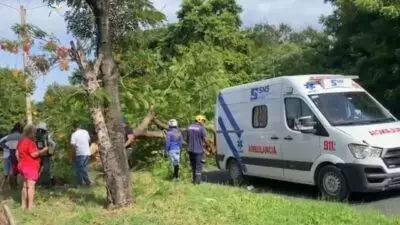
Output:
(392, 158)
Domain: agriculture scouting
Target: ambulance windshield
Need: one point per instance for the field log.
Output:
(350, 108)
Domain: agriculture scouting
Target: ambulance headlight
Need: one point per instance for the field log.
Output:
(364, 151)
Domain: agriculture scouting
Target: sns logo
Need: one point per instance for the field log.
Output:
(335, 83)
(258, 93)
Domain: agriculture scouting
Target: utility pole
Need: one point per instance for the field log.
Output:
(25, 68)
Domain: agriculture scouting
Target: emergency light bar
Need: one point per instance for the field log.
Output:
(334, 81)
(338, 76)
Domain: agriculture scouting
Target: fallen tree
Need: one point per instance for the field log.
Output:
(141, 131)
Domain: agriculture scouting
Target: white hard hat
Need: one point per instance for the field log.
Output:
(172, 123)
(42, 126)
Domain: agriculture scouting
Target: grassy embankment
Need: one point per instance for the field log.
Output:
(162, 202)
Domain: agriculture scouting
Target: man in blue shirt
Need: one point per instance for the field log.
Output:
(197, 137)
(173, 146)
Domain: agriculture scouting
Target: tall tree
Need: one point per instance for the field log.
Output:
(366, 42)
(387, 8)
(106, 21)
(12, 98)
(48, 54)
(279, 50)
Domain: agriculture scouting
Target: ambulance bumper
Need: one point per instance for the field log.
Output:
(362, 178)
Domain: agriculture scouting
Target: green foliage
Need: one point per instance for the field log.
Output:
(278, 50)
(214, 22)
(390, 8)
(162, 168)
(12, 99)
(366, 43)
(181, 67)
(160, 202)
(126, 15)
(63, 106)
(64, 171)
(30, 30)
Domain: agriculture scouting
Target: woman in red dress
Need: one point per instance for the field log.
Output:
(28, 165)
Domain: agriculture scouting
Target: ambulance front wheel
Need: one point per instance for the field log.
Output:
(236, 176)
(332, 184)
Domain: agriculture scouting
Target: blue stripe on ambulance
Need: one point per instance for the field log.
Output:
(225, 133)
(229, 115)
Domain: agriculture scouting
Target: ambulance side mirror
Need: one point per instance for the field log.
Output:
(306, 125)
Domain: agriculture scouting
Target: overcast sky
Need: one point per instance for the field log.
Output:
(298, 13)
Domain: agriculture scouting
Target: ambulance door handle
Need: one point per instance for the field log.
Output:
(289, 138)
(274, 138)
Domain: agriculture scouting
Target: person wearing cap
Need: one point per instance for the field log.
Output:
(197, 137)
(129, 138)
(173, 146)
(43, 140)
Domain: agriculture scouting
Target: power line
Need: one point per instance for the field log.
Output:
(38, 7)
(9, 6)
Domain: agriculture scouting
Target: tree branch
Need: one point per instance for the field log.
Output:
(97, 64)
(74, 54)
(160, 124)
(78, 55)
(93, 4)
(145, 122)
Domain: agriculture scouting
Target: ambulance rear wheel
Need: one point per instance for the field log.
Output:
(332, 184)
(236, 176)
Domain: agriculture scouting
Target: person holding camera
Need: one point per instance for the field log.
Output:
(44, 140)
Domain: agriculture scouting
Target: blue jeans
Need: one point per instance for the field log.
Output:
(7, 166)
(174, 157)
(82, 175)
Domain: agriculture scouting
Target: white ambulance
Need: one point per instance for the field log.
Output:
(323, 130)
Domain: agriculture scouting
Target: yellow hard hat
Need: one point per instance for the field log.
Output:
(200, 117)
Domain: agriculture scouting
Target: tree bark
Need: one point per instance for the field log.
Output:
(115, 162)
(118, 187)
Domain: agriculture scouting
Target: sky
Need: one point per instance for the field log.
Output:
(297, 13)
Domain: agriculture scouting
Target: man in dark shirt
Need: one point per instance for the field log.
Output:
(129, 138)
(197, 137)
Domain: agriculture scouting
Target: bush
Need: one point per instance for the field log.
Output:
(64, 172)
(162, 167)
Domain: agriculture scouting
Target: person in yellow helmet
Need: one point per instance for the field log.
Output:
(197, 137)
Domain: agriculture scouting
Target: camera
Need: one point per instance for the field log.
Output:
(42, 139)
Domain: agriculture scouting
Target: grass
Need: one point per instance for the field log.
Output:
(162, 202)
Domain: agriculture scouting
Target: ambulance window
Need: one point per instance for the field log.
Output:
(295, 108)
(260, 116)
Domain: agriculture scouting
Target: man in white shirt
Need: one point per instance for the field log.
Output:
(80, 141)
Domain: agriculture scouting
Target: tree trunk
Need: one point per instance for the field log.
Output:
(115, 162)
(118, 184)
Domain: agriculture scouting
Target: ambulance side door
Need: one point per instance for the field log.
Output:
(262, 151)
(300, 150)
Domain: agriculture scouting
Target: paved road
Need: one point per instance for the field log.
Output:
(386, 202)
